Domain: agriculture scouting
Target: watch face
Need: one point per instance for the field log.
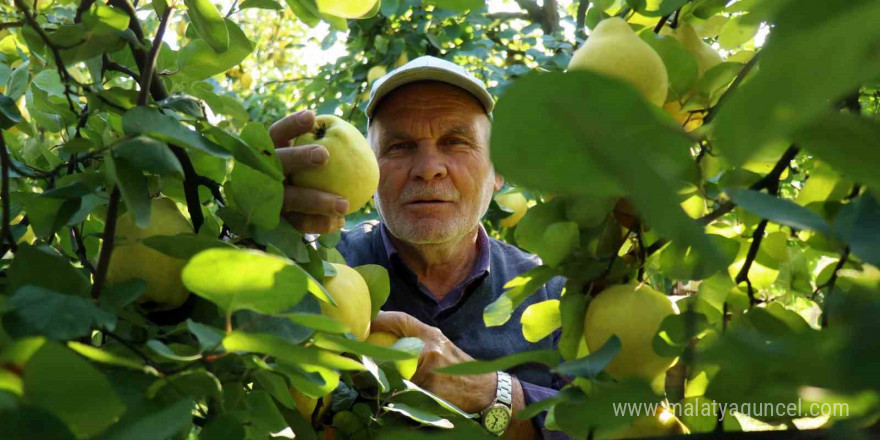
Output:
(497, 419)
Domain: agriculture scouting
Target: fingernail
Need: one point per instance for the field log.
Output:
(341, 206)
(318, 156)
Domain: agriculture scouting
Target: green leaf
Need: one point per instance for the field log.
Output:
(419, 415)
(106, 357)
(858, 224)
(545, 357)
(35, 311)
(32, 263)
(457, 5)
(319, 322)
(150, 155)
(155, 421)
(28, 422)
(208, 23)
(55, 378)
(119, 295)
(184, 245)
(591, 365)
(275, 385)
(198, 60)
(305, 10)
(738, 31)
(310, 380)
(817, 53)
(101, 30)
(673, 336)
(134, 189)
(9, 114)
(346, 8)
(237, 279)
(681, 67)
(220, 104)
(379, 284)
(685, 263)
(257, 138)
(342, 344)
(209, 337)
(558, 241)
(600, 129)
(541, 319)
(149, 121)
(197, 384)
(578, 416)
(521, 287)
(223, 427)
(287, 352)
(572, 308)
(261, 4)
(166, 352)
(847, 142)
(783, 212)
(256, 196)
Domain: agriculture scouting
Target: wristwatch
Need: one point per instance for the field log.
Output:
(496, 417)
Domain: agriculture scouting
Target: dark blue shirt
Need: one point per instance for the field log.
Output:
(459, 315)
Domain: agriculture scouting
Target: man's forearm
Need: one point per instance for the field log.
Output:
(520, 429)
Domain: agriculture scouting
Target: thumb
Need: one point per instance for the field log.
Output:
(400, 324)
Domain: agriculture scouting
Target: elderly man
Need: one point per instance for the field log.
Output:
(429, 126)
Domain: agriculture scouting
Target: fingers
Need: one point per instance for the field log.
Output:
(313, 201)
(291, 126)
(403, 325)
(313, 223)
(303, 157)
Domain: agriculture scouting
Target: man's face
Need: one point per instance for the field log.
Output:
(435, 178)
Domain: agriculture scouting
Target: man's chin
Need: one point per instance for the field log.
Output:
(423, 231)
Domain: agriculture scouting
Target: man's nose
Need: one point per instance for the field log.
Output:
(429, 163)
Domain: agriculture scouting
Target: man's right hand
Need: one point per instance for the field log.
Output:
(309, 210)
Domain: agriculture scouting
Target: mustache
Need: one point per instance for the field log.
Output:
(433, 192)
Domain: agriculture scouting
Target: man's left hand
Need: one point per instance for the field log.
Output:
(470, 393)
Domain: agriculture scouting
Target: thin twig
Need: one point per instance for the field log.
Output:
(765, 183)
(662, 22)
(830, 285)
(81, 250)
(11, 24)
(743, 275)
(733, 86)
(150, 59)
(113, 65)
(107, 243)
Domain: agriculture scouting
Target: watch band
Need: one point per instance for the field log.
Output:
(504, 392)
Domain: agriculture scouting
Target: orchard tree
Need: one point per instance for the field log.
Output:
(704, 173)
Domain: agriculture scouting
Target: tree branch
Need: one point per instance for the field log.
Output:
(149, 64)
(581, 19)
(109, 64)
(107, 243)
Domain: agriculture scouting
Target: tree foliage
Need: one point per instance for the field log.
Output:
(756, 207)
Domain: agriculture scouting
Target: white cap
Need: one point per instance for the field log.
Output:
(429, 68)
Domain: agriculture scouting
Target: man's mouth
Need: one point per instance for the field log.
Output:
(428, 202)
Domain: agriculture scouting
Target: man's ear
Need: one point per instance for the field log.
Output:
(499, 181)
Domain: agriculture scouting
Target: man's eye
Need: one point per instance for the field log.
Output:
(457, 141)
